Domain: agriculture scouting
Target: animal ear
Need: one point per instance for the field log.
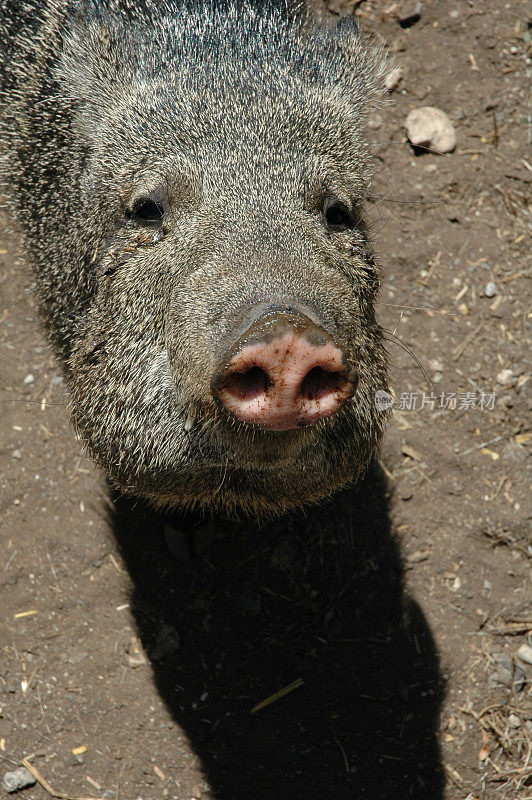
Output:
(350, 64)
(86, 43)
(88, 68)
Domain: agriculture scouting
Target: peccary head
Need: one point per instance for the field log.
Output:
(212, 202)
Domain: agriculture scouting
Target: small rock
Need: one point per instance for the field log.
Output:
(507, 401)
(417, 556)
(18, 779)
(16, 454)
(456, 585)
(505, 376)
(77, 657)
(430, 127)
(394, 78)
(436, 365)
(514, 721)
(483, 617)
(135, 653)
(505, 668)
(58, 380)
(29, 379)
(525, 653)
(490, 290)
(408, 13)
(136, 660)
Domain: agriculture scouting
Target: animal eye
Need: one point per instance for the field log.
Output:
(146, 212)
(337, 215)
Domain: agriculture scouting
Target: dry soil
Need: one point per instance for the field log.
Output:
(135, 648)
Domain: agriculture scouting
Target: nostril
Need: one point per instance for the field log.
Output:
(247, 385)
(320, 383)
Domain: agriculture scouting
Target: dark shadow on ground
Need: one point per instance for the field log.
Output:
(318, 598)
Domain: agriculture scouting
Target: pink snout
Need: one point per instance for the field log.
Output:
(293, 377)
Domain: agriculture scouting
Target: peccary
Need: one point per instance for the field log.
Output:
(189, 182)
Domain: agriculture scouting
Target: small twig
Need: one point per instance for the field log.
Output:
(9, 760)
(487, 725)
(462, 346)
(527, 759)
(502, 481)
(436, 261)
(278, 695)
(386, 471)
(514, 276)
(454, 775)
(484, 444)
(46, 786)
(342, 750)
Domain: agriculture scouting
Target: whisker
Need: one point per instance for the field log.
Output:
(416, 308)
(400, 343)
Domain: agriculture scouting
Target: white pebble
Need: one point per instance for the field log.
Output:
(525, 653)
(490, 290)
(430, 127)
(436, 365)
(29, 378)
(20, 778)
(505, 376)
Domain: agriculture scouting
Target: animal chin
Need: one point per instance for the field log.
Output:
(254, 447)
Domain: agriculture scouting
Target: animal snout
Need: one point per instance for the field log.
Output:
(283, 372)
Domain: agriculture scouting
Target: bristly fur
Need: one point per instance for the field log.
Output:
(240, 117)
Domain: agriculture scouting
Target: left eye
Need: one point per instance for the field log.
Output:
(337, 215)
(146, 211)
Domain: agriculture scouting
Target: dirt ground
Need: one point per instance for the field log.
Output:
(135, 648)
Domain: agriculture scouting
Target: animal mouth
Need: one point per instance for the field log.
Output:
(250, 446)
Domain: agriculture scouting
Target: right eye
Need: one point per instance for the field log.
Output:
(337, 215)
(146, 211)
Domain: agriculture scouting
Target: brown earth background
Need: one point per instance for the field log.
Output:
(396, 611)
